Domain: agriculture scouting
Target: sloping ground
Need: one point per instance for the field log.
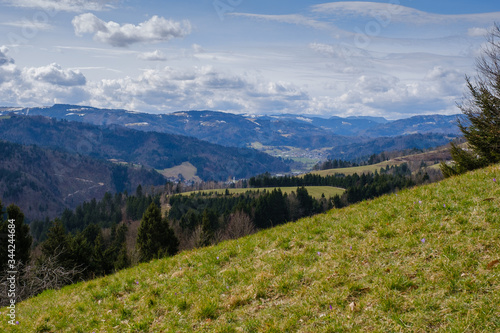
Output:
(359, 170)
(423, 260)
(430, 158)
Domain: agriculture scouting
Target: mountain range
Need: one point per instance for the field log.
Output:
(57, 157)
(236, 130)
(149, 149)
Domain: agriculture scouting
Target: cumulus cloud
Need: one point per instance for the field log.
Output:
(4, 59)
(434, 92)
(39, 85)
(199, 88)
(64, 5)
(156, 55)
(8, 69)
(156, 29)
(55, 74)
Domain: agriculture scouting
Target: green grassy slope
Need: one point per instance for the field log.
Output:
(423, 260)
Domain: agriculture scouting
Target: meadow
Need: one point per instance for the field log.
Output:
(314, 191)
(424, 259)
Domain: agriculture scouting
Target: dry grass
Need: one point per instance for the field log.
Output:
(430, 158)
(186, 169)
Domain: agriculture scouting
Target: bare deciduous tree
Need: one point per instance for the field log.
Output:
(240, 225)
(32, 279)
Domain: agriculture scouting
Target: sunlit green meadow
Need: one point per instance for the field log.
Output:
(426, 259)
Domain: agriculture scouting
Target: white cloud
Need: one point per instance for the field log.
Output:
(63, 5)
(56, 75)
(387, 13)
(156, 55)
(156, 29)
(39, 85)
(477, 32)
(197, 48)
(340, 51)
(435, 91)
(198, 88)
(290, 19)
(4, 58)
(8, 69)
(29, 25)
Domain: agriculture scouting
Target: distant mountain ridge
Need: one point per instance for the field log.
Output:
(242, 130)
(150, 149)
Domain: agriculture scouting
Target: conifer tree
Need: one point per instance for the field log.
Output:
(22, 237)
(155, 238)
(209, 225)
(481, 106)
(123, 260)
(305, 200)
(58, 243)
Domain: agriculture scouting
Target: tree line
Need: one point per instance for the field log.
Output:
(106, 213)
(398, 175)
(202, 219)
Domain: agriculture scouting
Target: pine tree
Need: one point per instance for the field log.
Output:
(81, 253)
(22, 237)
(305, 200)
(58, 243)
(482, 109)
(155, 238)
(123, 260)
(209, 225)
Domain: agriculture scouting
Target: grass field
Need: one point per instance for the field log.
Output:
(186, 169)
(429, 158)
(424, 260)
(314, 191)
(359, 170)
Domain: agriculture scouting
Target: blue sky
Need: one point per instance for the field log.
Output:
(394, 58)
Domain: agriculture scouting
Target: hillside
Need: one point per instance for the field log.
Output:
(430, 158)
(426, 259)
(150, 149)
(388, 144)
(417, 124)
(44, 182)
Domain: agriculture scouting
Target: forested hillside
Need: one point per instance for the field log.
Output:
(149, 149)
(44, 182)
